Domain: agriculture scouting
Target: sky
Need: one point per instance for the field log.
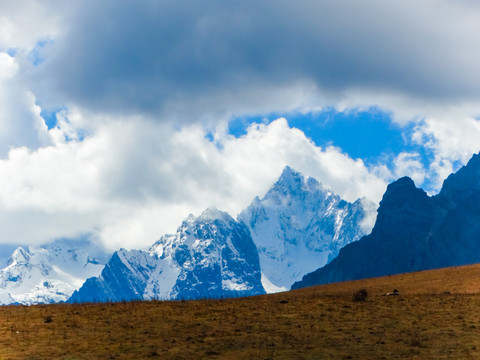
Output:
(118, 118)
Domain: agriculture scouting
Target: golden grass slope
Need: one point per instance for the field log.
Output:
(436, 316)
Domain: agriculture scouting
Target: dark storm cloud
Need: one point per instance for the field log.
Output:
(149, 56)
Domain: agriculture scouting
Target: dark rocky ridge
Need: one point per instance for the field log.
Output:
(414, 231)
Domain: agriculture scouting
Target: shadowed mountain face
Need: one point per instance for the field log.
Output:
(210, 256)
(414, 231)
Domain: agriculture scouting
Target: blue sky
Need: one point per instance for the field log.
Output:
(119, 118)
(368, 134)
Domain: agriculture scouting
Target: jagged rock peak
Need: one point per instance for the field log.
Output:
(289, 179)
(211, 255)
(293, 182)
(400, 185)
(465, 180)
(299, 225)
(19, 255)
(400, 192)
(294, 179)
(289, 172)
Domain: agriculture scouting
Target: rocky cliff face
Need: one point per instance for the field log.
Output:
(299, 225)
(210, 256)
(414, 231)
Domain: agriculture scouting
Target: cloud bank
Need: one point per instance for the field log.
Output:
(133, 181)
(185, 60)
(140, 84)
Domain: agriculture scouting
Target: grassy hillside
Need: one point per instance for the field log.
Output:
(436, 316)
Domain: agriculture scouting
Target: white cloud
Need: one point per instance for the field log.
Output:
(450, 138)
(452, 143)
(132, 181)
(20, 120)
(409, 164)
(25, 22)
(8, 66)
(268, 148)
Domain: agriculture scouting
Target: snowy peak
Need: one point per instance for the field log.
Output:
(212, 214)
(215, 247)
(19, 256)
(195, 234)
(300, 225)
(45, 275)
(124, 278)
(289, 179)
(210, 256)
(293, 184)
(296, 227)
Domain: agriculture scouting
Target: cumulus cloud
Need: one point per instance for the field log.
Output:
(20, 120)
(23, 23)
(451, 143)
(409, 164)
(132, 181)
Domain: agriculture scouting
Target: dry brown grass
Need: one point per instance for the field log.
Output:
(436, 316)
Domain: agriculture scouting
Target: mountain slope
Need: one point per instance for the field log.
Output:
(45, 275)
(299, 225)
(414, 231)
(210, 256)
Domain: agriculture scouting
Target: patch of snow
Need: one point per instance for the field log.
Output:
(269, 287)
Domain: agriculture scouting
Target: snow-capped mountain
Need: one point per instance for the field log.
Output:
(300, 225)
(414, 231)
(210, 256)
(297, 227)
(45, 275)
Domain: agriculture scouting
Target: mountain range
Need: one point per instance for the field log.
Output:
(414, 231)
(299, 232)
(296, 227)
